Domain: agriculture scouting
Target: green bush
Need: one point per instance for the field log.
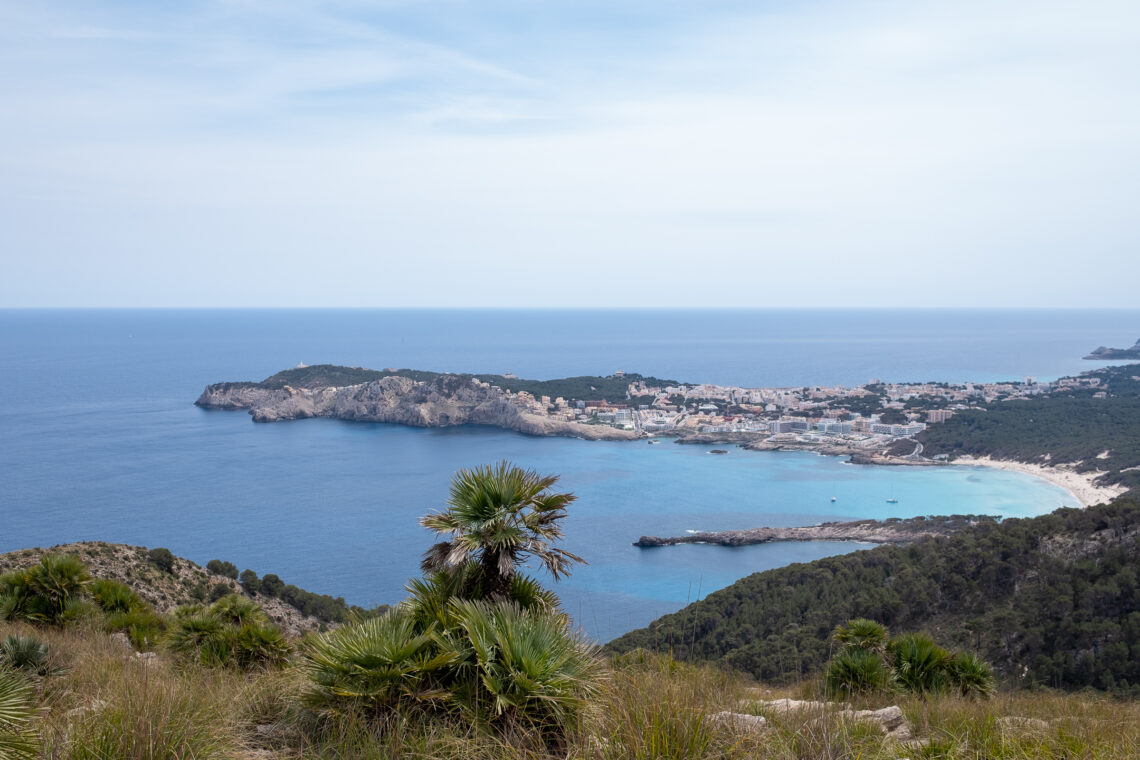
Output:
(249, 582)
(221, 567)
(920, 665)
(27, 654)
(143, 626)
(47, 592)
(112, 596)
(857, 671)
(971, 676)
(162, 558)
(861, 633)
(232, 632)
(387, 661)
(868, 663)
(17, 740)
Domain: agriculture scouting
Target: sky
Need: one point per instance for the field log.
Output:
(287, 153)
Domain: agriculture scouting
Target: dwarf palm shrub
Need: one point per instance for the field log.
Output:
(970, 675)
(920, 665)
(16, 709)
(857, 671)
(25, 653)
(386, 661)
(494, 662)
(46, 592)
(862, 633)
(232, 632)
(113, 596)
(144, 627)
(521, 667)
(868, 662)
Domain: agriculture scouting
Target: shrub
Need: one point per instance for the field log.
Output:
(161, 558)
(17, 741)
(910, 661)
(112, 596)
(920, 665)
(521, 667)
(45, 592)
(382, 662)
(221, 567)
(971, 676)
(219, 591)
(232, 632)
(498, 663)
(857, 671)
(143, 626)
(249, 582)
(862, 633)
(271, 585)
(26, 653)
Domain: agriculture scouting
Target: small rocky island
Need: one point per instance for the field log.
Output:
(890, 531)
(1103, 352)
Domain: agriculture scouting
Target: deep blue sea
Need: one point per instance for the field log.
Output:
(100, 440)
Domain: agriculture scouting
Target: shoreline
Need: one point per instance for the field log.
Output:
(1079, 485)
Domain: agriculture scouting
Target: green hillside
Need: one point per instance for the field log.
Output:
(1052, 600)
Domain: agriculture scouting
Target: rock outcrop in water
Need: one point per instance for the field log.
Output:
(870, 531)
(442, 401)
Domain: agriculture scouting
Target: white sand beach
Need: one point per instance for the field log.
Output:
(1080, 484)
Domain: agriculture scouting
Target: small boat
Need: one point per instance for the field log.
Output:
(892, 500)
(717, 451)
(833, 498)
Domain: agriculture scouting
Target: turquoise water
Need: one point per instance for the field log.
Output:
(101, 440)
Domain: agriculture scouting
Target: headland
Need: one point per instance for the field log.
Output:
(1040, 428)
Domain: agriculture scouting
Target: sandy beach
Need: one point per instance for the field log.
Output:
(1080, 484)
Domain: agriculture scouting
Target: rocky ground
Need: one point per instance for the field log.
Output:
(164, 591)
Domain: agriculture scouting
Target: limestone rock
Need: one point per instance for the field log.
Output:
(739, 721)
(443, 401)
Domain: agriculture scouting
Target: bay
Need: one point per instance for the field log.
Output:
(101, 441)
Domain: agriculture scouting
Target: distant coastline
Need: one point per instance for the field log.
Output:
(878, 423)
(1103, 353)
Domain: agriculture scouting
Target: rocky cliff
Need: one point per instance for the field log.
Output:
(442, 401)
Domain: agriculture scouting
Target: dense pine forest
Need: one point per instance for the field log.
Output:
(1089, 427)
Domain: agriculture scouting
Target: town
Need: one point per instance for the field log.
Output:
(869, 418)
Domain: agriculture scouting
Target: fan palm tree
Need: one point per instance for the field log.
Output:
(497, 517)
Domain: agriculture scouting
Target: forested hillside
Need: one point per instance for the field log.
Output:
(1052, 600)
(1089, 427)
(583, 388)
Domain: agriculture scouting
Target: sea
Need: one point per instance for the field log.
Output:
(99, 438)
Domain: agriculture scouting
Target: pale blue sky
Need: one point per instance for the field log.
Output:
(291, 153)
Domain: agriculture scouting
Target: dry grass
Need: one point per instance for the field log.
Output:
(108, 703)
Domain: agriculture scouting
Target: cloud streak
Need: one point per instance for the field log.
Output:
(574, 154)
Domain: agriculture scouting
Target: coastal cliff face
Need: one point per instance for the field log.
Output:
(441, 402)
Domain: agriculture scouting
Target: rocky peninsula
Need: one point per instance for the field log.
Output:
(892, 531)
(438, 400)
(1104, 352)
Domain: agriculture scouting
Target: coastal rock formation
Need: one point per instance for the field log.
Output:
(870, 531)
(443, 401)
(1104, 352)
